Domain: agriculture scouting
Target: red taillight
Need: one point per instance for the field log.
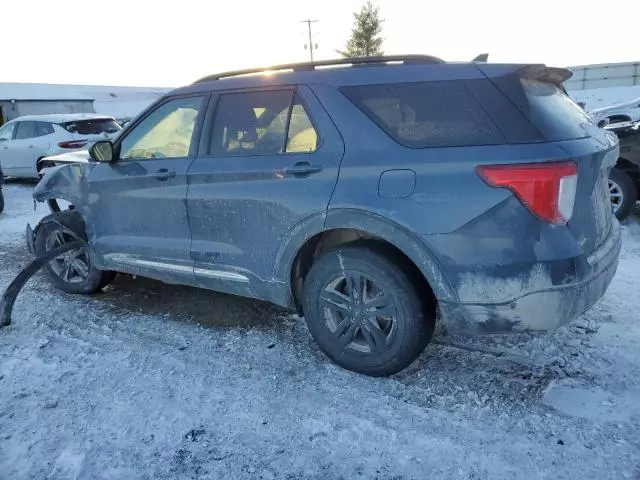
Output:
(548, 190)
(73, 144)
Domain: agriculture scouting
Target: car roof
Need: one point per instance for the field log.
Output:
(61, 117)
(348, 71)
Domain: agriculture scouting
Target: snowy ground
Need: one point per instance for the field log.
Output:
(161, 382)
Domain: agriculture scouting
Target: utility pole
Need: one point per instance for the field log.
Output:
(311, 47)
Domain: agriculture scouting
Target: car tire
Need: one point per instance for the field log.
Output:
(623, 193)
(72, 272)
(340, 317)
(1, 201)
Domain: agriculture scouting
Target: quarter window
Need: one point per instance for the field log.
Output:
(302, 135)
(167, 132)
(262, 123)
(426, 114)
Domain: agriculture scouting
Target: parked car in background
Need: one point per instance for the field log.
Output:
(1, 194)
(370, 199)
(624, 178)
(26, 140)
(624, 112)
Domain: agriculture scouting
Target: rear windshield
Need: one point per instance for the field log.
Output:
(547, 107)
(92, 127)
(426, 114)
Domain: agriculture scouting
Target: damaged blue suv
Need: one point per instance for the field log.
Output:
(373, 198)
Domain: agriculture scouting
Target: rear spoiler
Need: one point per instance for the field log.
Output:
(542, 73)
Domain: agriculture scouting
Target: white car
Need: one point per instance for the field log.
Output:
(26, 140)
(623, 112)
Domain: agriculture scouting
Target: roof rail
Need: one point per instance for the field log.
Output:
(353, 61)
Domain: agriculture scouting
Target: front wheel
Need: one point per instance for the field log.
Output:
(622, 193)
(364, 312)
(73, 271)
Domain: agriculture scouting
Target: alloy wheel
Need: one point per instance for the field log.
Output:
(615, 196)
(71, 266)
(359, 314)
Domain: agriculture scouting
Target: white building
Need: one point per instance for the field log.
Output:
(18, 99)
(605, 84)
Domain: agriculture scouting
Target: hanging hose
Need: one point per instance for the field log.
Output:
(10, 294)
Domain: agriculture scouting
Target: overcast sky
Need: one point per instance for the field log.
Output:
(170, 43)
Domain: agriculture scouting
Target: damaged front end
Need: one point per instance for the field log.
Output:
(65, 182)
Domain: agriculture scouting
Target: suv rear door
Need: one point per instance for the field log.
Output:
(267, 161)
(139, 200)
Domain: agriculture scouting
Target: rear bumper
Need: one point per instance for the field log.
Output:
(546, 307)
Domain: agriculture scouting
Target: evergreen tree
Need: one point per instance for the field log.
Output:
(365, 38)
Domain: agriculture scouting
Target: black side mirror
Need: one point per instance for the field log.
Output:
(102, 151)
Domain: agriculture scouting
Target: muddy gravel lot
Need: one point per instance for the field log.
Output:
(153, 381)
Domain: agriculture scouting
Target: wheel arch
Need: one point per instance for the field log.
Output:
(632, 169)
(68, 183)
(348, 225)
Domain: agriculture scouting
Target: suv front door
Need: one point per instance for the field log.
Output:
(21, 152)
(268, 161)
(138, 201)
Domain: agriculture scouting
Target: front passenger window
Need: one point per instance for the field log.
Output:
(165, 133)
(6, 132)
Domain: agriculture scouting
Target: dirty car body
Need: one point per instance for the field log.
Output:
(463, 174)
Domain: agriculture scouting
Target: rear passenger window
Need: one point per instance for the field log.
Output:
(251, 123)
(426, 114)
(262, 123)
(43, 128)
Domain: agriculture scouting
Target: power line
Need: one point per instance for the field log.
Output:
(311, 45)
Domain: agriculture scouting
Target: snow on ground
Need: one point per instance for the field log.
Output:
(149, 381)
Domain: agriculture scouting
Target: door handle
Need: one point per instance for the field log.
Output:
(302, 169)
(164, 174)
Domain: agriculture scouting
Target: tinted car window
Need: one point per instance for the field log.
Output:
(426, 114)
(92, 127)
(25, 130)
(553, 112)
(6, 132)
(251, 123)
(547, 107)
(165, 133)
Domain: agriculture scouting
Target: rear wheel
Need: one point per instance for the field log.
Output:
(364, 312)
(73, 271)
(1, 201)
(623, 193)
